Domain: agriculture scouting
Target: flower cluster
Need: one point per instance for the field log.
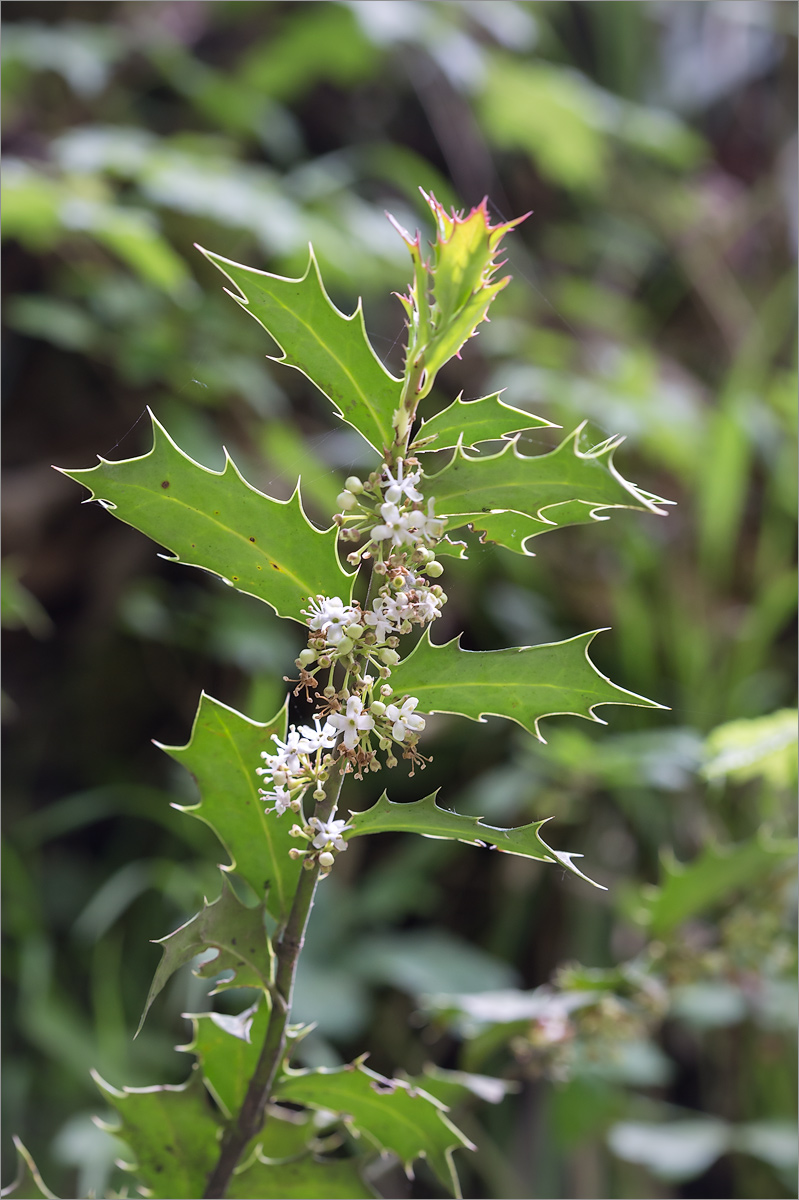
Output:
(360, 717)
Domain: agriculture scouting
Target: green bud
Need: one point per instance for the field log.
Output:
(353, 484)
(307, 657)
(377, 708)
(355, 632)
(434, 569)
(346, 501)
(389, 657)
(344, 646)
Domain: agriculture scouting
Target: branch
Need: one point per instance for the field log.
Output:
(252, 1114)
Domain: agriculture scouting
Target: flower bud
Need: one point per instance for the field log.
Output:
(307, 656)
(353, 484)
(355, 632)
(346, 501)
(326, 859)
(389, 657)
(434, 569)
(344, 646)
(377, 708)
(329, 692)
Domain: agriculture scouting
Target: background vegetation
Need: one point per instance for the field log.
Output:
(655, 144)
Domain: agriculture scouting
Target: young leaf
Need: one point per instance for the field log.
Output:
(222, 755)
(510, 480)
(467, 422)
(331, 349)
(425, 817)
(523, 683)
(451, 295)
(395, 1117)
(172, 1133)
(307, 1178)
(216, 520)
(227, 1050)
(228, 926)
(28, 1184)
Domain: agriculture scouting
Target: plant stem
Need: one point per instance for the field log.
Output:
(287, 953)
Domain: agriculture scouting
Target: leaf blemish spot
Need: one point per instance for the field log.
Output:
(252, 539)
(165, 483)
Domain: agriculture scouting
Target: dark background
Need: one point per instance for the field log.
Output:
(653, 294)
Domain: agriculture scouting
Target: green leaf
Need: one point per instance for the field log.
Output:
(171, 1132)
(522, 683)
(217, 521)
(509, 480)
(694, 887)
(307, 1178)
(468, 422)
(227, 1050)
(331, 349)
(513, 529)
(28, 1184)
(228, 926)
(425, 817)
(222, 754)
(392, 1115)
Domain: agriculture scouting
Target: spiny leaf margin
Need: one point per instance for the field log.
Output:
(222, 754)
(374, 392)
(489, 481)
(428, 819)
(467, 422)
(286, 519)
(420, 673)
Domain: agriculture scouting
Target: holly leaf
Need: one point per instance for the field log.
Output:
(225, 925)
(690, 888)
(512, 481)
(227, 1050)
(522, 683)
(28, 1184)
(172, 1133)
(513, 529)
(425, 817)
(329, 348)
(215, 520)
(467, 422)
(222, 755)
(395, 1117)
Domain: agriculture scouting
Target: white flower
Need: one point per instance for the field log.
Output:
(397, 527)
(379, 619)
(281, 798)
(404, 718)
(288, 753)
(399, 487)
(330, 615)
(329, 833)
(428, 525)
(427, 606)
(323, 738)
(353, 722)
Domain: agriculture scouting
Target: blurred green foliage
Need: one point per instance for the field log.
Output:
(656, 145)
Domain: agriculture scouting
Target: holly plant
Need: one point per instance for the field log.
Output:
(362, 590)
